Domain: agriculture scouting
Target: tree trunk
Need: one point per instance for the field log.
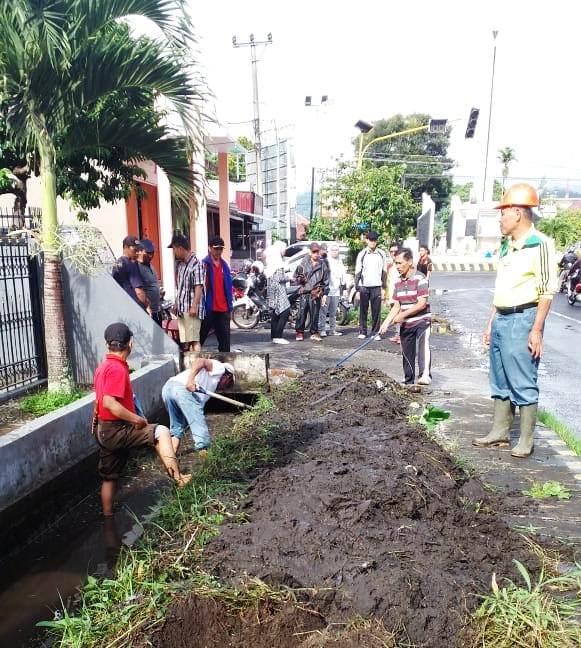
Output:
(54, 310)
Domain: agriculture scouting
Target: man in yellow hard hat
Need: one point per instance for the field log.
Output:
(525, 284)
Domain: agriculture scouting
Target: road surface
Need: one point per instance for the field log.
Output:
(466, 303)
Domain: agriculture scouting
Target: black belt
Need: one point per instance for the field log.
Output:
(510, 310)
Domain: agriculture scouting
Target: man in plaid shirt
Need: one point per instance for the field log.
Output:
(189, 306)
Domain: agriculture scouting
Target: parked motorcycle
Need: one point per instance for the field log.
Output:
(251, 309)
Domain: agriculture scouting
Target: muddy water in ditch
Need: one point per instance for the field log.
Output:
(53, 564)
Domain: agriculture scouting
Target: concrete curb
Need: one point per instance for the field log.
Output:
(41, 450)
(458, 266)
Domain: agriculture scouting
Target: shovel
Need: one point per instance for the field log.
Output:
(362, 346)
(225, 399)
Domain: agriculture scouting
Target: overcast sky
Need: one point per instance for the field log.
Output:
(377, 58)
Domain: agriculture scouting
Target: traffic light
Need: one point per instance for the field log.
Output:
(437, 126)
(472, 123)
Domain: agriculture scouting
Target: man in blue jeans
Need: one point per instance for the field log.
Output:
(185, 404)
(525, 284)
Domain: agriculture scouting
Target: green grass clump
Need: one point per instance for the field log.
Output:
(48, 401)
(548, 489)
(534, 616)
(564, 433)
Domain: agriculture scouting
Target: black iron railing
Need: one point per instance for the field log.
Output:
(22, 351)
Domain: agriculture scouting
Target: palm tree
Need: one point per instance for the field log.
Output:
(506, 156)
(59, 61)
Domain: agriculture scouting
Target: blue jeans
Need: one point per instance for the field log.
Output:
(185, 409)
(329, 308)
(513, 370)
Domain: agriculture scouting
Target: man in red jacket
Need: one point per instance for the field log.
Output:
(119, 427)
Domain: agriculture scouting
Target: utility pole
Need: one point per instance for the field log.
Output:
(252, 43)
(312, 192)
(494, 35)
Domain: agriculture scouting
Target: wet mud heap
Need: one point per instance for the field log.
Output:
(368, 512)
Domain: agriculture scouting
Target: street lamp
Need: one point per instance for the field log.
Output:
(364, 127)
(494, 35)
(309, 104)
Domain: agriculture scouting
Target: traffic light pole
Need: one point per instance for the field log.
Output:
(494, 35)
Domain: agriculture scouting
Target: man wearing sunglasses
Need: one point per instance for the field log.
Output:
(218, 295)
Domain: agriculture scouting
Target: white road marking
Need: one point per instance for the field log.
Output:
(571, 319)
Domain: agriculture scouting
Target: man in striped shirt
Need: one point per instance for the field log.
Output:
(189, 305)
(411, 310)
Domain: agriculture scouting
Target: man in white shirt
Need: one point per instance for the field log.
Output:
(185, 404)
(370, 277)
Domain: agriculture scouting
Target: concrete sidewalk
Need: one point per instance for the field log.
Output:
(461, 386)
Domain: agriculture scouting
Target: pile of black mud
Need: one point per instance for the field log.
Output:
(367, 511)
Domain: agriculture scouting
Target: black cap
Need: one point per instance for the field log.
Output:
(372, 235)
(131, 241)
(148, 246)
(216, 241)
(179, 240)
(118, 332)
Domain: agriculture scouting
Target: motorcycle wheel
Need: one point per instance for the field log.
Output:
(244, 318)
(571, 299)
(294, 315)
(342, 315)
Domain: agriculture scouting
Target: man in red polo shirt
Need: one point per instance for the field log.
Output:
(218, 295)
(119, 426)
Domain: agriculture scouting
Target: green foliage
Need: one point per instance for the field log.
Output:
(95, 93)
(323, 228)
(530, 616)
(433, 416)
(236, 161)
(463, 190)
(47, 401)
(497, 190)
(424, 155)
(6, 182)
(506, 156)
(548, 489)
(375, 198)
(441, 222)
(564, 228)
(564, 432)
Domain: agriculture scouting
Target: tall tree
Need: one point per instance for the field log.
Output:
(371, 198)
(506, 156)
(424, 154)
(59, 61)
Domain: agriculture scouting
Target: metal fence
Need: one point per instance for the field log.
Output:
(22, 351)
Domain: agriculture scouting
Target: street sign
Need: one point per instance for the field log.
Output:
(438, 126)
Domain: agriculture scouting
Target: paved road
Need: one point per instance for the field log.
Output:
(466, 303)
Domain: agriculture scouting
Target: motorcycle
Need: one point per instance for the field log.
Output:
(574, 290)
(563, 277)
(251, 309)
